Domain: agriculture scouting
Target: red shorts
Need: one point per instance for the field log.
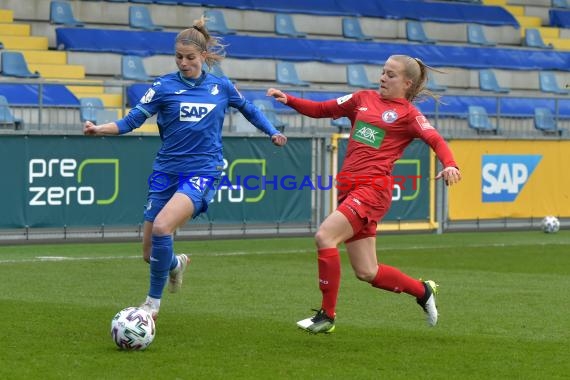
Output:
(364, 207)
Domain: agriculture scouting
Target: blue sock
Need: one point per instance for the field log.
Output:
(174, 262)
(160, 261)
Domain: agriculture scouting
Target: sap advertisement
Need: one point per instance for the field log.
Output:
(510, 179)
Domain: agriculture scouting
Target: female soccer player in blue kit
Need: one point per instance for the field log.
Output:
(190, 105)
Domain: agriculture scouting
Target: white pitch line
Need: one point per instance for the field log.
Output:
(265, 252)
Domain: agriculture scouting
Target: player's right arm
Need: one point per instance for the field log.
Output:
(333, 108)
(107, 129)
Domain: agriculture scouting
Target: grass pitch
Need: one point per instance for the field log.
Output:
(503, 304)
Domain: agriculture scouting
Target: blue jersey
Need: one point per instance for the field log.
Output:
(190, 116)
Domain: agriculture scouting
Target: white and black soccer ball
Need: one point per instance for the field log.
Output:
(132, 329)
(550, 224)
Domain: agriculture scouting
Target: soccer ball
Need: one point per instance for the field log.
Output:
(550, 224)
(132, 329)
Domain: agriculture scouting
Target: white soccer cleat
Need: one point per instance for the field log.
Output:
(151, 309)
(321, 323)
(177, 274)
(427, 302)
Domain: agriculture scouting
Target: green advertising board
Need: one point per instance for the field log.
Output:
(56, 181)
(410, 198)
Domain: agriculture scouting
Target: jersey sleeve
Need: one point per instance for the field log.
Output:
(333, 108)
(423, 129)
(148, 105)
(249, 110)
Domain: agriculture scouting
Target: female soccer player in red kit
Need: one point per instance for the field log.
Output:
(384, 123)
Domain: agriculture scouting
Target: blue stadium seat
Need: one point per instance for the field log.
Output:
(287, 74)
(285, 26)
(88, 108)
(269, 111)
(433, 86)
(476, 35)
(61, 13)
(548, 83)
(478, 119)
(132, 68)
(351, 29)
(488, 82)
(105, 116)
(544, 121)
(532, 38)
(14, 65)
(142, 1)
(560, 4)
(6, 116)
(357, 77)
(415, 33)
(343, 124)
(216, 22)
(139, 18)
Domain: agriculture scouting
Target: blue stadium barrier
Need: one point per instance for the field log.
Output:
(28, 95)
(559, 18)
(392, 9)
(331, 51)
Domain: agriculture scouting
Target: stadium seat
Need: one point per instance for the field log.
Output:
(351, 29)
(532, 38)
(357, 77)
(433, 86)
(547, 83)
(139, 18)
(560, 4)
(132, 68)
(544, 121)
(61, 13)
(476, 35)
(415, 33)
(285, 26)
(287, 74)
(142, 1)
(105, 116)
(6, 116)
(269, 111)
(478, 119)
(88, 108)
(343, 124)
(488, 82)
(216, 23)
(14, 65)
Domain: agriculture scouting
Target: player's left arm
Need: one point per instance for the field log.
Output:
(450, 173)
(254, 115)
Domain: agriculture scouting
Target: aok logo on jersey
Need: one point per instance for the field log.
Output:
(504, 176)
(195, 111)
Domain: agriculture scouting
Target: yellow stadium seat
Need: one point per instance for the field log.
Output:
(42, 56)
(6, 15)
(58, 71)
(24, 42)
(529, 21)
(8, 29)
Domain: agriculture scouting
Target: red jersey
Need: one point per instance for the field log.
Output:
(381, 130)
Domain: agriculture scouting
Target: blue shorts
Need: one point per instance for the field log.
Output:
(162, 186)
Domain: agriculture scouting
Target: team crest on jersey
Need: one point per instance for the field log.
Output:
(390, 116)
(195, 111)
(214, 90)
(147, 97)
(424, 123)
(343, 99)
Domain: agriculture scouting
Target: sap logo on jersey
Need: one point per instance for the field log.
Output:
(194, 111)
(504, 176)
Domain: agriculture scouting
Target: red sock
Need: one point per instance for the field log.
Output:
(329, 278)
(393, 280)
